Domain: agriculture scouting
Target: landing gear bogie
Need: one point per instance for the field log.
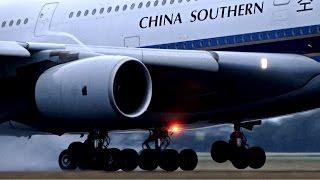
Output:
(94, 154)
(238, 152)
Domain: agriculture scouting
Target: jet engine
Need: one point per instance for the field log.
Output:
(97, 88)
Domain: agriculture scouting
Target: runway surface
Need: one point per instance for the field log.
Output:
(278, 166)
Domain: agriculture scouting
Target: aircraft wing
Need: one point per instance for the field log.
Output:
(10, 48)
(197, 60)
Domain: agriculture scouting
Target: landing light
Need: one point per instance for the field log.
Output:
(175, 128)
(264, 63)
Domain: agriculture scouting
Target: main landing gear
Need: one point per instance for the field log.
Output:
(238, 152)
(166, 159)
(95, 154)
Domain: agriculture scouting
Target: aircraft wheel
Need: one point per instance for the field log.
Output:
(240, 158)
(97, 159)
(220, 151)
(85, 155)
(75, 150)
(112, 159)
(169, 160)
(129, 159)
(148, 159)
(66, 161)
(257, 157)
(188, 159)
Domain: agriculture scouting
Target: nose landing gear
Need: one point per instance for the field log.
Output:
(238, 152)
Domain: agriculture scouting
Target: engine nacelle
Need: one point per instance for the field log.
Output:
(104, 87)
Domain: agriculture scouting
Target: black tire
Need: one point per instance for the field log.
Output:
(112, 159)
(220, 151)
(66, 161)
(188, 159)
(97, 159)
(75, 150)
(148, 159)
(85, 155)
(169, 160)
(240, 158)
(129, 159)
(257, 157)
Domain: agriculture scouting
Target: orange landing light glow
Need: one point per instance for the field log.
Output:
(175, 128)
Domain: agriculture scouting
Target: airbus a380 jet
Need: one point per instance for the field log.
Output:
(95, 66)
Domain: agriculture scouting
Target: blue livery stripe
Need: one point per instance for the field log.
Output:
(215, 43)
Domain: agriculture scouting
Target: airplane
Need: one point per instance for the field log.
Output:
(96, 66)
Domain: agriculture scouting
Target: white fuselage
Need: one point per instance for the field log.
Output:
(90, 21)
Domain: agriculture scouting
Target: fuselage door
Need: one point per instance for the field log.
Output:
(281, 12)
(44, 19)
(280, 2)
(133, 41)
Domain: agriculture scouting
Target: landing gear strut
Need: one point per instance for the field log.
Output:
(238, 151)
(166, 159)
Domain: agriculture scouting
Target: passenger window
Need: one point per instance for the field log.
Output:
(164, 2)
(172, 1)
(156, 3)
(26, 21)
(94, 11)
(18, 22)
(86, 13)
(11, 23)
(3, 24)
(148, 4)
(109, 9)
(101, 10)
(117, 8)
(132, 6)
(79, 14)
(124, 7)
(140, 5)
(179, 1)
(71, 15)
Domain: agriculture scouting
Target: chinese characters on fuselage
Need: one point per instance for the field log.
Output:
(305, 5)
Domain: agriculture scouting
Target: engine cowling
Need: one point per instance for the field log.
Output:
(104, 87)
